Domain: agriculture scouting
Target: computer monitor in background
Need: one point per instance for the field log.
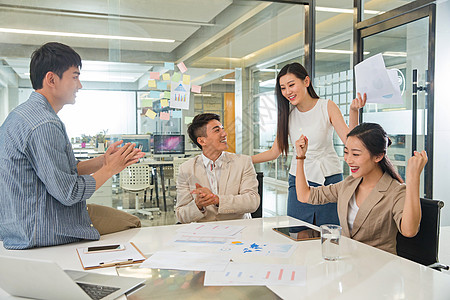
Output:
(141, 140)
(168, 144)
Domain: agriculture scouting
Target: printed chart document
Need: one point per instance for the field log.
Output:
(193, 261)
(380, 85)
(257, 274)
(203, 240)
(257, 248)
(210, 229)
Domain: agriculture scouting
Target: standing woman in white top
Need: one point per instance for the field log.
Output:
(301, 112)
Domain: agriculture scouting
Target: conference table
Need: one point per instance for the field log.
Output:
(362, 272)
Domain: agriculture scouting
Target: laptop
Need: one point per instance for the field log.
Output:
(40, 279)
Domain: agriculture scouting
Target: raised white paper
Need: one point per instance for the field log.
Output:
(376, 81)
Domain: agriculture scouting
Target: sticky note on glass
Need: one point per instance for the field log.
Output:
(161, 85)
(154, 75)
(182, 67)
(188, 120)
(164, 116)
(186, 79)
(166, 76)
(155, 94)
(169, 66)
(196, 89)
(151, 83)
(176, 113)
(151, 114)
(166, 95)
(164, 102)
(176, 77)
(146, 102)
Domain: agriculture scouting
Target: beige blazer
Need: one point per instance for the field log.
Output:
(238, 190)
(378, 219)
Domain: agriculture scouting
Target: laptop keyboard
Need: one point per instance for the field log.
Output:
(97, 292)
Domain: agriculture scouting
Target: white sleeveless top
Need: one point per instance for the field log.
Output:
(321, 158)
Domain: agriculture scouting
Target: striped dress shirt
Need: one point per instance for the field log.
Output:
(42, 197)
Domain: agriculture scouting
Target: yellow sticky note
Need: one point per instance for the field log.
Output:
(166, 95)
(151, 114)
(146, 102)
(164, 102)
(188, 120)
(152, 83)
(166, 76)
(186, 79)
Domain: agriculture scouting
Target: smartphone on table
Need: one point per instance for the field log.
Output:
(104, 248)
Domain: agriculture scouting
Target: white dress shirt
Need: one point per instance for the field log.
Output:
(213, 170)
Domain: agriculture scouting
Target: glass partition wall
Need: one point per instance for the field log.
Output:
(232, 51)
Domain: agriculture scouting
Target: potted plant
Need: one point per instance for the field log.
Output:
(100, 140)
(84, 140)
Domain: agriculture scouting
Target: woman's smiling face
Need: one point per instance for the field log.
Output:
(358, 158)
(293, 88)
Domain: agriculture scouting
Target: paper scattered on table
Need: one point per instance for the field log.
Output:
(193, 261)
(210, 229)
(202, 240)
(380, 85)
(257, 274)
(265, 249)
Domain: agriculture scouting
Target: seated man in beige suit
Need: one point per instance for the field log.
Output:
(215, 185)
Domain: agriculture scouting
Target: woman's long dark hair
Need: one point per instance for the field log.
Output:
(376, 140)
(284, 106)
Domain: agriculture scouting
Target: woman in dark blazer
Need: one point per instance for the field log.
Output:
(373, 204)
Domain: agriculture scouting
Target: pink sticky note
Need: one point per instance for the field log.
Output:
(154, 75)
(164, 116)
(182, 67)
(196, 89)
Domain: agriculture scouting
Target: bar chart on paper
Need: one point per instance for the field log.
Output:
(210, 229)
(261, 274)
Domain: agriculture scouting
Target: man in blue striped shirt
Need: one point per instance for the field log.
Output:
(43, 188)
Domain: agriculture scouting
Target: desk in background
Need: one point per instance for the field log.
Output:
(363, 272)
(159, 165)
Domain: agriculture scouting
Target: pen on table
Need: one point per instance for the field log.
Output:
(116, 263)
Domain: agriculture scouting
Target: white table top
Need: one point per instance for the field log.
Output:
(363, 272)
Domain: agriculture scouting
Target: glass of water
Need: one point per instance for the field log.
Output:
(330, 235)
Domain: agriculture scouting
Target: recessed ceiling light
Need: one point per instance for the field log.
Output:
(346, 10)
(336, 51)
(85, 35)
(394, 54)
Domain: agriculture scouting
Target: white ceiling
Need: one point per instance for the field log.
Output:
(211, 36)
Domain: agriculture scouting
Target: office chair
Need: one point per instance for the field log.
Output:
(258, 212)
(177, 161)
(423, 248)
(135, 179)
